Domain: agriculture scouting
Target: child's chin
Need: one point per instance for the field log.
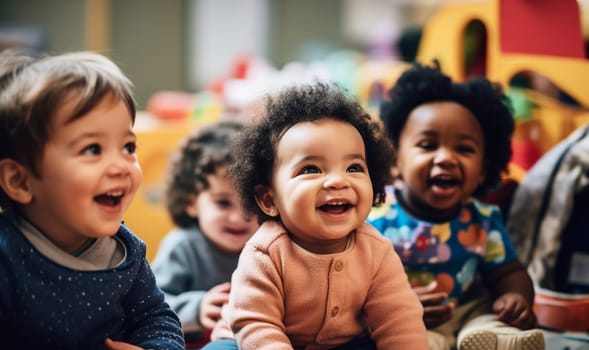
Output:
(232, 249)
(108, 231)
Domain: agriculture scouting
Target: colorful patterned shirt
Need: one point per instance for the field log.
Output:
(452, 253)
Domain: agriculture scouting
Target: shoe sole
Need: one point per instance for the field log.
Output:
(487, 340)
(479, 340)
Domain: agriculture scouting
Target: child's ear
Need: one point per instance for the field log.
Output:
(192, 207)
(265, 200)
(14, 181)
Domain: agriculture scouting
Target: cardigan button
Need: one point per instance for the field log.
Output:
(334, 311)
(339, 265)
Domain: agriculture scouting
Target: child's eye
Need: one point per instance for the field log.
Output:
(309, 169)
(130, 147)
(93, 149)
(427, 145)
(356, 168)
(465, 149)
(224, 203)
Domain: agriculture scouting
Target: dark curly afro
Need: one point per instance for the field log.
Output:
(485, 100)
(255, 150)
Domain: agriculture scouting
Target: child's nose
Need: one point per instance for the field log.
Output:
(444, 157)
(119, 165)
(336, 180)
(237, 216)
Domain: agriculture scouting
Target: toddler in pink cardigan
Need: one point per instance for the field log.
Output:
(315, 275)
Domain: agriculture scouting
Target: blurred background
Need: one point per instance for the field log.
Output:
(196, 61)
(189, 45)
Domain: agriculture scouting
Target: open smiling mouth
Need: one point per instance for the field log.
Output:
(110, 198)
(335, 208)
(443, 182)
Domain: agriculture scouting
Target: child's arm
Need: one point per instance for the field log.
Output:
(513, 291)
(178, 275)
(393, 311)
(256, 308)
(152, 323)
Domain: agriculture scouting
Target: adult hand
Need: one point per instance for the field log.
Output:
(435, 309)
(119, 345)
(210, 306)
(514, 309)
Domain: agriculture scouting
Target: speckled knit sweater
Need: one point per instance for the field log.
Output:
(44, 305)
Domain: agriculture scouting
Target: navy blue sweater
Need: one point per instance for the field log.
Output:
(44, 305)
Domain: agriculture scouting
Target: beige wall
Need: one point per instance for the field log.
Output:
(147, 40)
(63, 20)
(147, 37)
(294, 22)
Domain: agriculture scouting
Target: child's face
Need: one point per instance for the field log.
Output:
(88, 175)
(321, 187)
(220, 216)
(440, 159)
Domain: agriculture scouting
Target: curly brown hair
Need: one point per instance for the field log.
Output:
(202, 153)
(255, 149)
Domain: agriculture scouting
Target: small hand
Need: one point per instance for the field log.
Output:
(435, 310)
(210, 306)
(119, 345)
(221, 330)
(514, 309)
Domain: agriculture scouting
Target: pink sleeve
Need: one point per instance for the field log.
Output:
(255, 303)
(393, 310)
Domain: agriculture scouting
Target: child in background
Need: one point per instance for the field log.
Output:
(452, 143)
(71, 275)
(194, 262)
(315, 275)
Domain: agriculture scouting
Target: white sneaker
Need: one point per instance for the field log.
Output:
(532, 339)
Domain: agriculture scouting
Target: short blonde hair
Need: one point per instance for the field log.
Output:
(33, 89)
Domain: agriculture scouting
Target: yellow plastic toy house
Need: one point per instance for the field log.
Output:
(513, 37)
